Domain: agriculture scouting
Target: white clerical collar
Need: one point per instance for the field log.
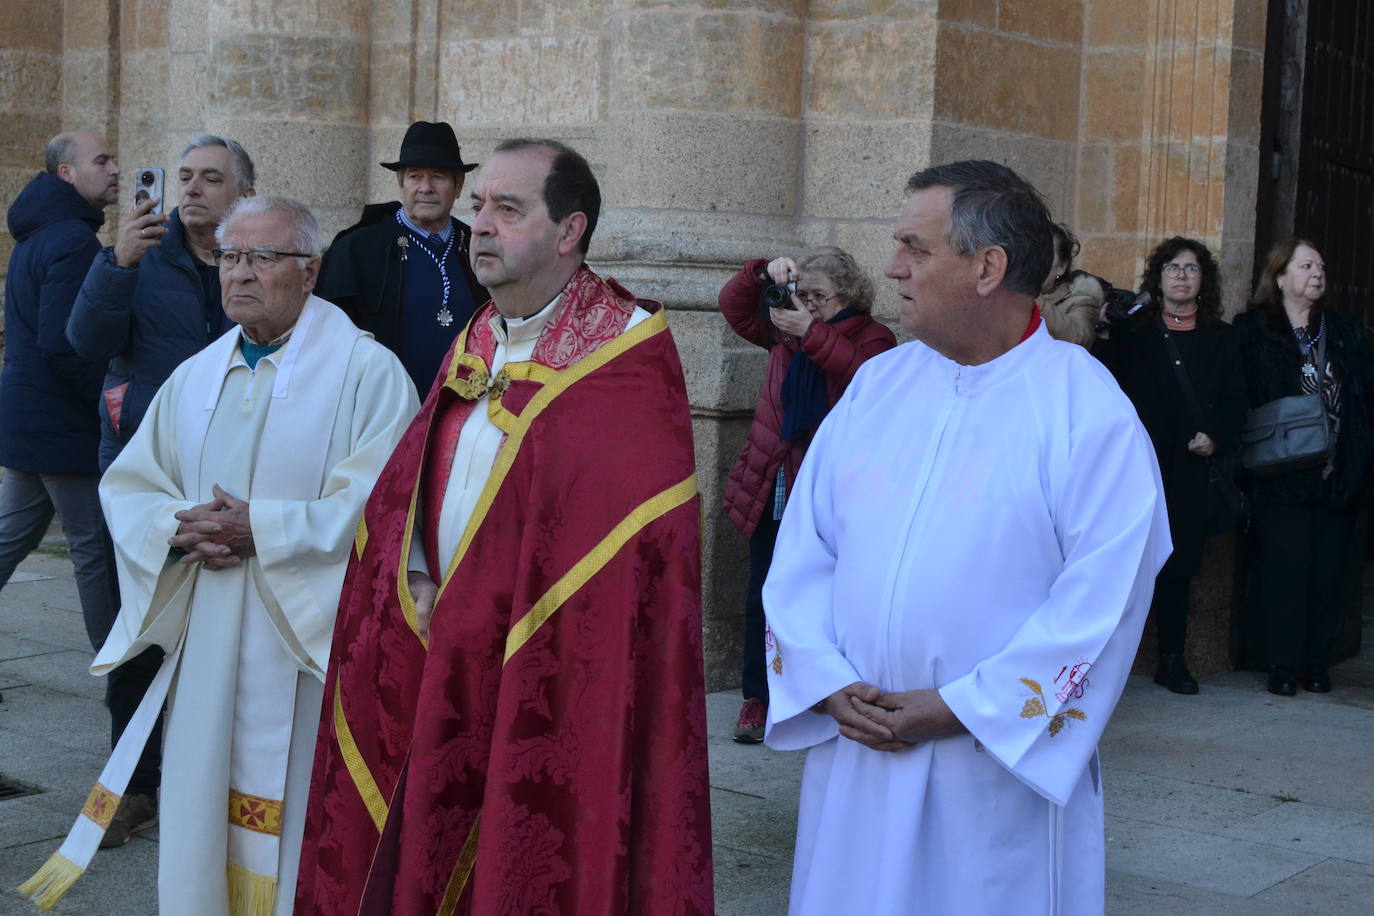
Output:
(518, 330)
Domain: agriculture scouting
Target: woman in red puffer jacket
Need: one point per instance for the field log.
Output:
(814, 348)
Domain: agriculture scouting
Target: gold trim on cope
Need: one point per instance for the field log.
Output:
(357, 767)
(648, 511)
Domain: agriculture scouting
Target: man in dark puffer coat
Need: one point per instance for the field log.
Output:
(49, 429)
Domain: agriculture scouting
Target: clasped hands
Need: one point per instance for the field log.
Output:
(891, 721)
(216, 533)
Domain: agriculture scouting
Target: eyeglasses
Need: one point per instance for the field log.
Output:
(815, 298)
(258, 260)
(1177, 270)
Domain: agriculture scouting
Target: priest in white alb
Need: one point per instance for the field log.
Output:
(960, 581)
(233, 511)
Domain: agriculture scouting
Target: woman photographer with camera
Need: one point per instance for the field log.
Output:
(1292, 346)
(817, 337)
(1181, 368)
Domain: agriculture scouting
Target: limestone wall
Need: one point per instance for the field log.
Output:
(721, 130)
(1169, 133)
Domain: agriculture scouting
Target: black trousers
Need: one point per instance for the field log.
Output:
(1300, 578)
(753, 676)
(1170, 610)
(124, 690)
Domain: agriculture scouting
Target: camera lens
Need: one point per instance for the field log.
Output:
(775, 296)
(145, 179)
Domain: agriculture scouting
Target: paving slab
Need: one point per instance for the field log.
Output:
(1230, 802)
(1140, 895)
(1223, 865)
(1176, 803)
(1338, 833)
(64, 671)
(1333, 888)
(119, 882)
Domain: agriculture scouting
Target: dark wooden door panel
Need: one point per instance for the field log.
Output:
(1335, 206)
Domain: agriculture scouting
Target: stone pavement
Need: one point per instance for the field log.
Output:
(1233, 801)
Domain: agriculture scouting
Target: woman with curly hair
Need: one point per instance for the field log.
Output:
(1190, 430)
(1292, 344)
(815, 344)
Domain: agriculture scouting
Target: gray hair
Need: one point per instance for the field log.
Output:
(240, 162)
(61, 150)
(851, 282)
(305, 236)
(995, 207)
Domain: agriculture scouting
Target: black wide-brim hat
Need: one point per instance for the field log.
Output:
(430, 146)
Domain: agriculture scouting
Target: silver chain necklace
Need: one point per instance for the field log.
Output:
(443, 316)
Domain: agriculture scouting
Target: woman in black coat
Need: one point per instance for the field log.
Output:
(1182, 275)
(1303, 518)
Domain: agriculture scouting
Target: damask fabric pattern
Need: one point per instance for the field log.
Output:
(546, 751)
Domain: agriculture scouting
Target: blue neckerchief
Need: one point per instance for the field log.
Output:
(253, 352)
(804, 399)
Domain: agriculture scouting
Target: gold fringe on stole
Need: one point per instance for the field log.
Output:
(250, 894)
(50, 882)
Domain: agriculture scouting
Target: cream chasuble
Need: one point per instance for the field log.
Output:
(994, 532)
(302, 437)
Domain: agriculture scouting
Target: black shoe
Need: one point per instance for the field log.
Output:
(1172, 674)
(1283, 681)
(1316, 679)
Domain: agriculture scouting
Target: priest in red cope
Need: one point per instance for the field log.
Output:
(514, 715)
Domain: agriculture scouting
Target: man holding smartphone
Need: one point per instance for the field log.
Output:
(149, 302)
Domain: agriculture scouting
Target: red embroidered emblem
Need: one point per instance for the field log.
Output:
(100, 805)
(770, 647)
(1075, 683)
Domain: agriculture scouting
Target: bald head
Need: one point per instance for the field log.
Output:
(83, 160)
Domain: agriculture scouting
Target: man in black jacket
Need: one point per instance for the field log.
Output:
(402, 271)
(49, 430)
(149, 302)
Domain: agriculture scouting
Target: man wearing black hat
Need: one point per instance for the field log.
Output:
(401, 272)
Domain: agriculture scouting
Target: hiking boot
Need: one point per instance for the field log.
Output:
(749, 728)
(135, 813)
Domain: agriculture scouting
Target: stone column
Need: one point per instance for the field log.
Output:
(1007, 88)
(289, 81)
(1169, 146)
(702, 157)
(30, 102)
(1170, 134)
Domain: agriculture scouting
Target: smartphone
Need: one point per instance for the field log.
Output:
(149, 183)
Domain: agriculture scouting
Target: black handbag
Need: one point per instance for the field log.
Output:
(1227, 506)
(1289, 434)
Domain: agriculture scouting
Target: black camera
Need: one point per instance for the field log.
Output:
(778, 295)
(1125, 308)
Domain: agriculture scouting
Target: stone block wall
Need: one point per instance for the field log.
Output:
(721, 130)
(1169, 133)
(30, 97)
